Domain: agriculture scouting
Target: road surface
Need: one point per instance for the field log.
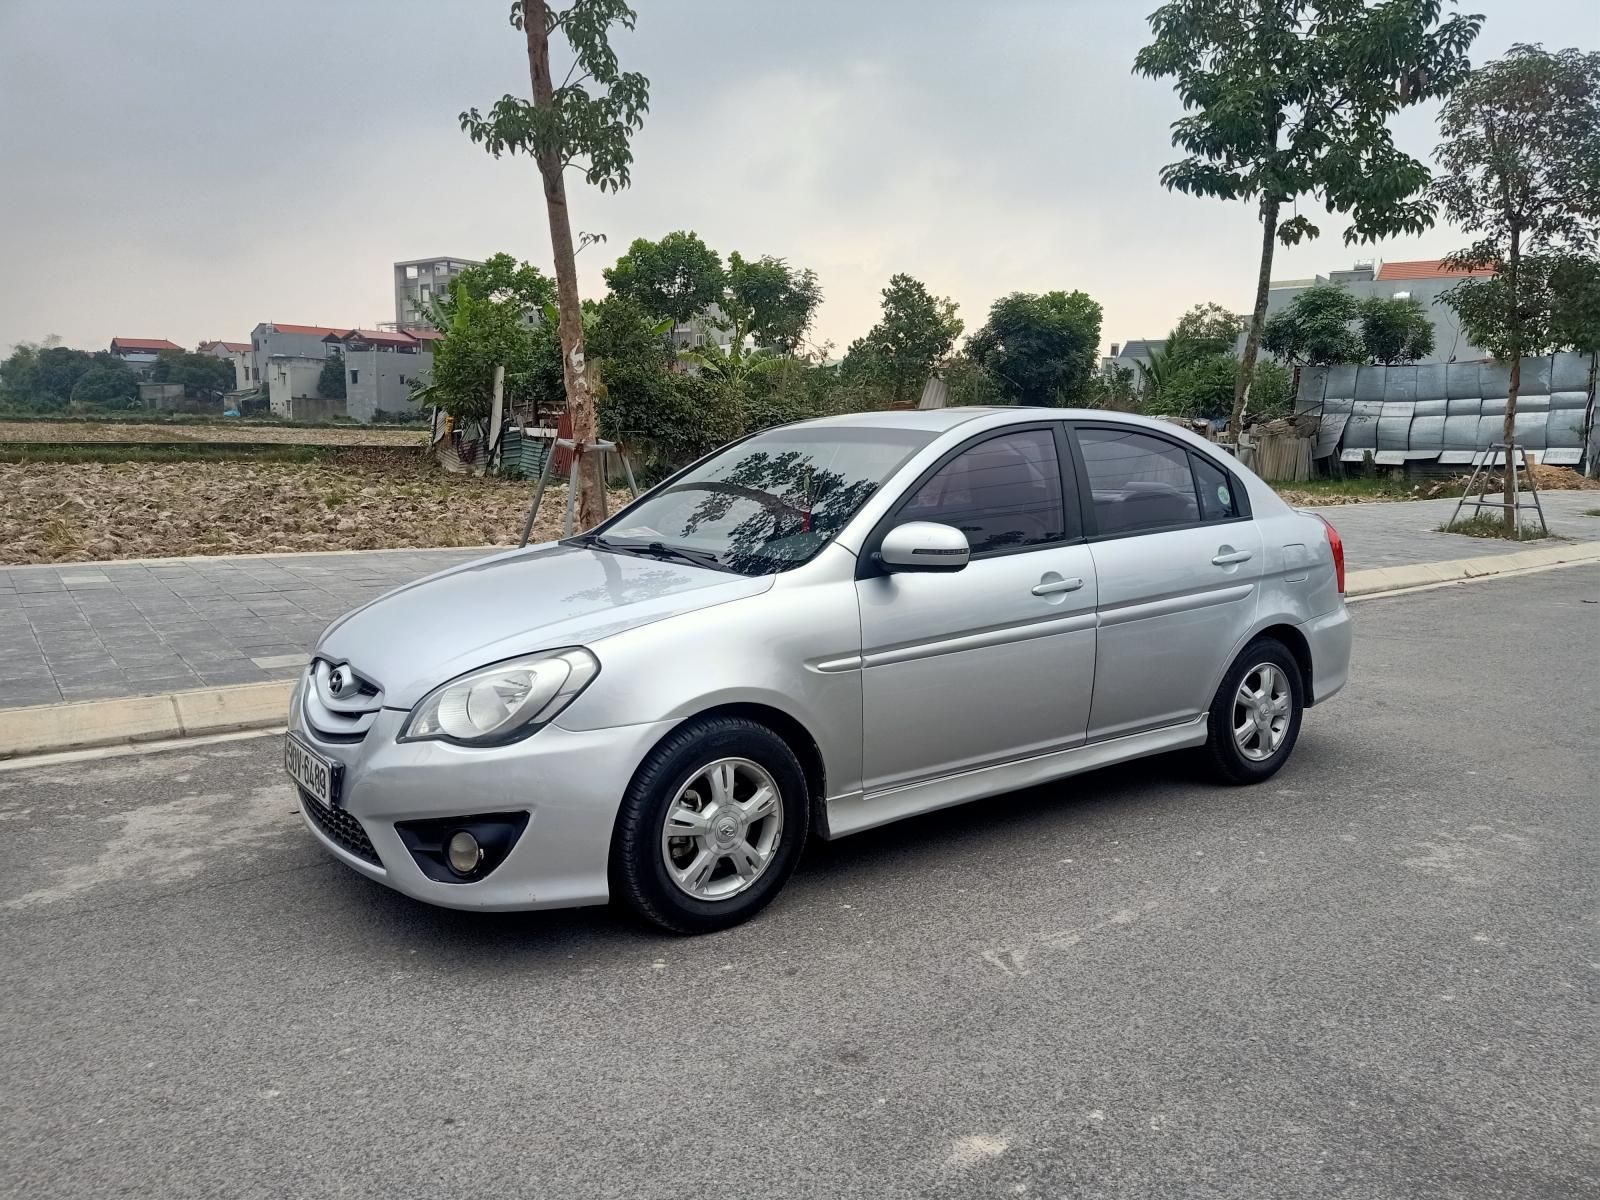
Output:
(1372, 977)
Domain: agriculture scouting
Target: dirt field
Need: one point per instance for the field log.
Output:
(221, 431)
(71, 512)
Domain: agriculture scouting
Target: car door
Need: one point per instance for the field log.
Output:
(995, 661)
(1178, 561)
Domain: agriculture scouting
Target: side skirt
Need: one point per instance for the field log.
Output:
(854, 812)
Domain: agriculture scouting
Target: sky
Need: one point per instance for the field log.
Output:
(189, 168)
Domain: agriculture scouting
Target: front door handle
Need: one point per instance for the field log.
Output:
(1057, 585)
(1231, 557)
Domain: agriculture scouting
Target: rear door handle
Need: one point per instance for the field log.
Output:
(1057, 585)
(1236, 556)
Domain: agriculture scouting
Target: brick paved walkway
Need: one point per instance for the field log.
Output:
(93, 630)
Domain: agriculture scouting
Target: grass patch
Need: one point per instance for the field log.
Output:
(1492, 527)
(136, 452)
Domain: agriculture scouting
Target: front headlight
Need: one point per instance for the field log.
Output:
(502, 703)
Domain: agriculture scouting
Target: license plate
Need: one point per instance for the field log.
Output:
(317, 775)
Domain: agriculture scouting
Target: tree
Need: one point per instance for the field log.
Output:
(203, 376)
(1521, 162)
(330, 383)
(1395, 330)
(915, 333)
(674, 279)
(1205, 329)
(109, 385)
(504, 280)
(562, 126)
(770, 301)
(1293, 97)
(1316, 328)
(1041, 350)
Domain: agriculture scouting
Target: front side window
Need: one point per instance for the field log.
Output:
(1139, 482)
(1004, 492)
(768, 503)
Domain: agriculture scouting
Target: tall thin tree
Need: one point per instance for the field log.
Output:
(562, 126)
(1290, 98)
(1521, 156)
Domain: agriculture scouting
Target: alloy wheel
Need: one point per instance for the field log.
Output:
(722, 829)
(1262, 708)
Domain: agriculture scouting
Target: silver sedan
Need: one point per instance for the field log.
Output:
(817, 630)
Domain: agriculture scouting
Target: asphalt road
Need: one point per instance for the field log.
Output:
(1374, 976)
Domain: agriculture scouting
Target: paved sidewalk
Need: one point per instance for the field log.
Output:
(93, 631)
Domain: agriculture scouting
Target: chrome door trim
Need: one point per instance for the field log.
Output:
(933, 648)
(1183, 602)
(1228, 560)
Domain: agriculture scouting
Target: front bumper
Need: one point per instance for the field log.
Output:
(570, 783)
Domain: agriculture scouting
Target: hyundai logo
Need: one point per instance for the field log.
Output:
(342, 682)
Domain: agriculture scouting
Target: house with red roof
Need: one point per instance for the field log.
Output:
(141, 353)
(238, 353)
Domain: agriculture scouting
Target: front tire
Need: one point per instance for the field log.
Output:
(711, 826)
(1255, 716)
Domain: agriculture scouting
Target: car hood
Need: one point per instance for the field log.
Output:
(416, 637)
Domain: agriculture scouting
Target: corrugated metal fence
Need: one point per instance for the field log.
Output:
(1448, 412)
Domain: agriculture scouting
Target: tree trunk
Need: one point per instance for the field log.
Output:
(591, 506)
(1258, 318)
(1508, 523)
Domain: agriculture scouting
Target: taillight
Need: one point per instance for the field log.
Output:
(1336, 544)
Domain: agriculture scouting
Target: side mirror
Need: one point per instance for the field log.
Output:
(924, 546)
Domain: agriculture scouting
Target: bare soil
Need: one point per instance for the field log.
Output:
(221, 431)
(363, 500)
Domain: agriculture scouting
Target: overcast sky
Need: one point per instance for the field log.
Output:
(188, 168)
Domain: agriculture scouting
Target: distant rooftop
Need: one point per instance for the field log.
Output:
(146, 344)
(316, 330)
(1423, 268)
(231, 347)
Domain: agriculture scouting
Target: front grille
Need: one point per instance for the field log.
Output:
(343, 720)
(341, 828)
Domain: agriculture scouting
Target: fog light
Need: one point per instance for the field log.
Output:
(463, 853)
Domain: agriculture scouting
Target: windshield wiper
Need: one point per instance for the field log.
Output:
(689, 554)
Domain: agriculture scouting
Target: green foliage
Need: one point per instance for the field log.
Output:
(674, 279)
(592, 131)
(1575, 281)
(504, 280)
(108, 385)
(1395, 331)
(1205, 329)
(914, 335)
(1272, 392)
(203, 376)
(1293, 97)
(330, 383)
(1040, 350)
(967, 383)
(677, 418)
(1113, 388)
(1316, 328)
(771, 301)
(482, 334)
(1521, 156)
(44, 378)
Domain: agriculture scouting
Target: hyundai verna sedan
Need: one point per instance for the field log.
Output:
(816, 630)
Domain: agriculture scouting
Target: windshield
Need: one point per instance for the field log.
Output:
(768, 503)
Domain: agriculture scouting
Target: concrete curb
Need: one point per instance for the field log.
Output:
(47, 728)
(1390, 579)
(100, 564)
(50, 728)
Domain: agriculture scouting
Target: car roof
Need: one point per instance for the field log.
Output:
(938, 420)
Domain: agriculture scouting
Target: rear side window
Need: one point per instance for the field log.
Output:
(1003, 492)
(1138, 482)
(1217, 499)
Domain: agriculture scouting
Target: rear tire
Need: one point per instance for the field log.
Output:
(700, 844)
(1254, 720)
